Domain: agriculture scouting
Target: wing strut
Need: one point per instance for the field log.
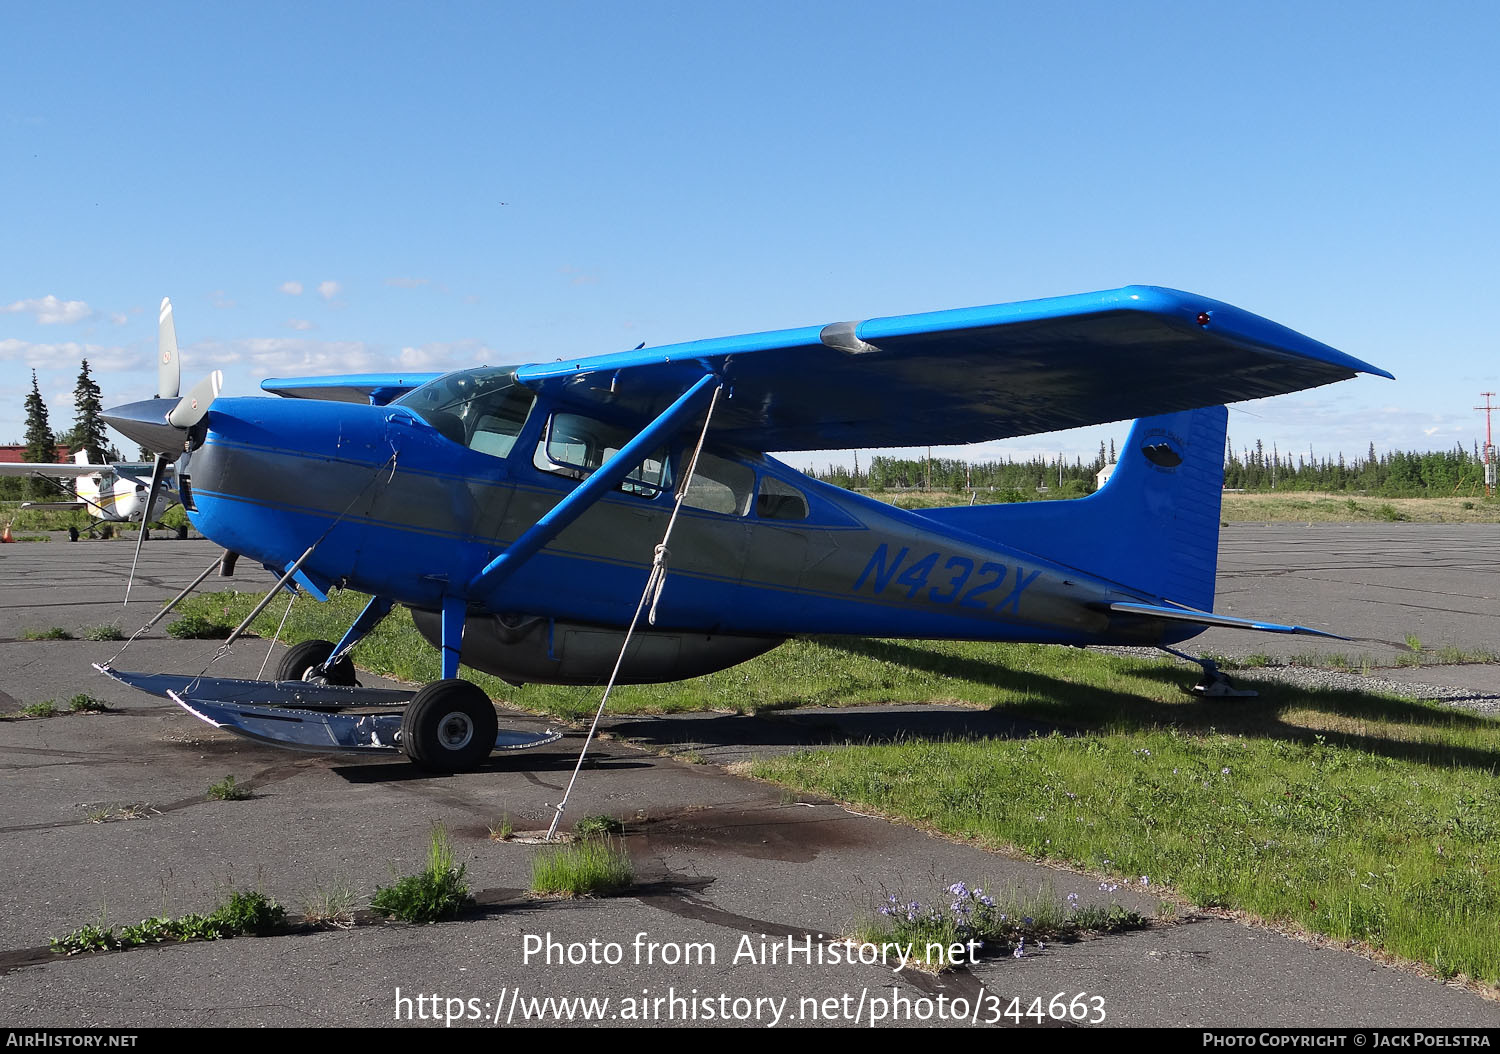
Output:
(608, 476)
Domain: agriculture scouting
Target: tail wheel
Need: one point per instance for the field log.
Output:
(302, 661)
(449, 726)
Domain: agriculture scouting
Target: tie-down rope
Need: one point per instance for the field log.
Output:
(652, 592)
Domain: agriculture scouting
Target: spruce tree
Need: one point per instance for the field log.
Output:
(88, 426)
(41, 445)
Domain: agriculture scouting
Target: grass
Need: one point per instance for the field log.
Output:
(239, 914)
(1385, 832)
(503, 831)
(436, 892)
(51, 633)
(109, 812)
(87, 704)
(197, 627)
(1347, 814)
(1312, 507)
(590, 867)
(596, 825)
(228, 790)
(109, 631)
(331, 906)
(46, 708)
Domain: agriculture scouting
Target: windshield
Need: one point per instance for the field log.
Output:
(483, 409)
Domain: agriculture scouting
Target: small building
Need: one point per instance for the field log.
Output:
(16, 455)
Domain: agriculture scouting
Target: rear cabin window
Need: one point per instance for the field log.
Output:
(779, 501)
(721, 486)
(575, 446)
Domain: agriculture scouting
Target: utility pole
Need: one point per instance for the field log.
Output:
(1489, 446)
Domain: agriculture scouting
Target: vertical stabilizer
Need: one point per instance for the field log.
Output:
(1153, 528)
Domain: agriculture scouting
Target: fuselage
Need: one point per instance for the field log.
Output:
(396, 505)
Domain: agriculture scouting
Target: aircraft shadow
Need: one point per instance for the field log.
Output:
(1059, 705)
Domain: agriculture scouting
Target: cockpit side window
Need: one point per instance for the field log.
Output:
(575, 446)
(482, 409)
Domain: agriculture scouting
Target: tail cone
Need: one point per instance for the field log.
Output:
(5, 535)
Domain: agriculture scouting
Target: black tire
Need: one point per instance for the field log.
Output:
(72, 534)
(301, 659)
(182, 533)
(449, 726)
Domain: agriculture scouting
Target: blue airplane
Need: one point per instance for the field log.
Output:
(519, 511)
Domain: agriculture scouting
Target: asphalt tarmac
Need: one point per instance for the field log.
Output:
(732, 873)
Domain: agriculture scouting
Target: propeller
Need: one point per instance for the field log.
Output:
(168, 369)
(166, 424)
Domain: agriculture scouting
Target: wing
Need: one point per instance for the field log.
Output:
(375, 388)
(29, 468)
(966, 375)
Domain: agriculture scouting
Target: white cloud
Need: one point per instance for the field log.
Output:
(290, 354)
(291, 288)
(103, 357)
(408, 283)
(118, 318)
(220, 299)
(50, 311)
(299, 324)
(437, 355)
(328, 290)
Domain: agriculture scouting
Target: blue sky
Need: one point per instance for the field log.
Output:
(335, 187)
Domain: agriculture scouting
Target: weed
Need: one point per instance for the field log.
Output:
(591, 867)
(87, 704)
(1391, 514)
(436, 892)
(1000, 925)
(598, 824)
(227, 790)
(331, 907)
(106, 632)
(252, 912)
(692, 757)
(1414, 642)
(503, 831)
(46, 708)
(51, 633)
(107, 812)
(89, 938)
(197, 627)
(242, 913)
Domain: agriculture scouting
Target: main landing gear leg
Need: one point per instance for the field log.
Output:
(450, 725)
(1216, 683)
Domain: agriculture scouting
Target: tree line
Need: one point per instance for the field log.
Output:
(42, 443)
(1398, 474)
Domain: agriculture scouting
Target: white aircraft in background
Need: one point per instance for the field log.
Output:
(110, 493)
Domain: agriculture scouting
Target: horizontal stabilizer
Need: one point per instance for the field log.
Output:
(1208, 618)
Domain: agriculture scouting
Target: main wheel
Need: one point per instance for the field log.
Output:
(449, 726)
(302, 659)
